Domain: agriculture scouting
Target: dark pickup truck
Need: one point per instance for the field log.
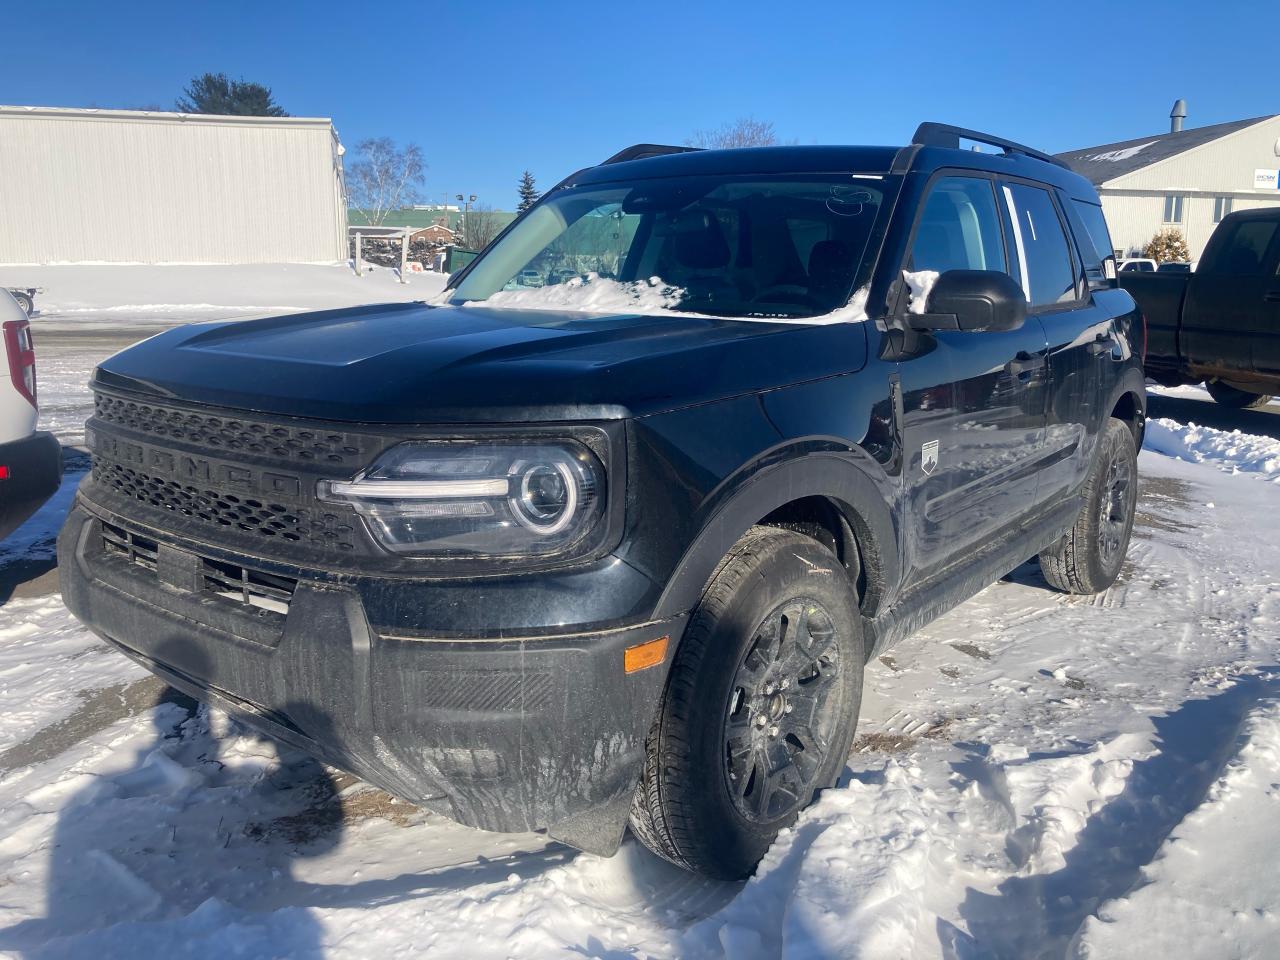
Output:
(616, 549)
(1220, 324)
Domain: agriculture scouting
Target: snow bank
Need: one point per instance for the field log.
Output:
(109, 293)
(1233, 451)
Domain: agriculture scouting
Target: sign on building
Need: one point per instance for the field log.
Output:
(1266, 179)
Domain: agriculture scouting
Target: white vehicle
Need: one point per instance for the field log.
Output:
(1137, 265)
(30, 461)
(529, 278)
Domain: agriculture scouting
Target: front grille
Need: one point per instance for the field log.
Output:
(236, 434)
(228, 510)
(227, 581)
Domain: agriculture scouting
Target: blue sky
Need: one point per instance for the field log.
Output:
(489, 88)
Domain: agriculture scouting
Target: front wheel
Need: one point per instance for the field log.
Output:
(1088, 558)
(1234, 397)
(25, 302)
(760, 708)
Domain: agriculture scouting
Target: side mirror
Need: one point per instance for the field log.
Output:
(973, 300)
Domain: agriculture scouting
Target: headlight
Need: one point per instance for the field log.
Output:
(463, 498)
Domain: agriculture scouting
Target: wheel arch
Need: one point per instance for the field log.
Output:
(1128, 402)
(839, 492)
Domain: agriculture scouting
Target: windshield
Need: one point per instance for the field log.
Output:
(753, 248)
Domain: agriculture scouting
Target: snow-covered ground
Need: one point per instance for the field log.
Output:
(80, 296)
(1035, 776)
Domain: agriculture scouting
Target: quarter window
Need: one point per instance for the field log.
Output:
(959, 228)
(1095, 246)
(1221, 207)
(1173, 205)
(1048, 273)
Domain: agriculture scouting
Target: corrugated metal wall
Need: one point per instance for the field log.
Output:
(1134, 204)
(110, 186)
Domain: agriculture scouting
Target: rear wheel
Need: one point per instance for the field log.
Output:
(1089, 557)
(760, 708)
(1234, 397)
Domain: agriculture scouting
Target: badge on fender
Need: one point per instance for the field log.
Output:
(929, 457)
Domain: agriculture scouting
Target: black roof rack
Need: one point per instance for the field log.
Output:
(945, 135)
(642, 151)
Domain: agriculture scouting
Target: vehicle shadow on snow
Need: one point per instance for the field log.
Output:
(1037, 916)
(1209, 414)
(208, 832)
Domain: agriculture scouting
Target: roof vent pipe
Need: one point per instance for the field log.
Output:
(1177, 115)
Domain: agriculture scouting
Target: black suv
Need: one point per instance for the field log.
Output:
(616, 548)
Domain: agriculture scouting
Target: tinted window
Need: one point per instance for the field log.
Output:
(1048, 271)
(1095, 244)
(1243, 248)
(959, 228)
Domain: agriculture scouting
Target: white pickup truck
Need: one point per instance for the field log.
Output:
(30, 461)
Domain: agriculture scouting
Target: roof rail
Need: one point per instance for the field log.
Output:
(945, 135)
(642, 151)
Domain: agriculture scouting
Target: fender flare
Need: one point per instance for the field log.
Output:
(843, 477)
(1132, 381)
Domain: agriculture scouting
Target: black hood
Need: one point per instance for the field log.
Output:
(411, 363)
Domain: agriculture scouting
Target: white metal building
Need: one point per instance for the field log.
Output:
(123, 186)
(1188, 179)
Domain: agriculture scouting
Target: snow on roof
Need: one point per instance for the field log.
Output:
(1111, 160)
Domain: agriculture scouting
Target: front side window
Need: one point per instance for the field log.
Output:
(754, 247)
(1221, 207)
(1173, 209)
(959, 228)
(1048, 270)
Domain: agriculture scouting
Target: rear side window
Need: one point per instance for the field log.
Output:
(1244, 248)
(1048, 271)
(959, 228)
(1095, 245)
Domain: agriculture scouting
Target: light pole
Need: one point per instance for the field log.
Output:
(467, 201)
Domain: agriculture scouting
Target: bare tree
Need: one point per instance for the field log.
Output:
(743, 132)
(385, 177)
(479, 227)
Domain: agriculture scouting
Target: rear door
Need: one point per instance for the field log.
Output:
(1084, 355)
(1229, 323)
(973, 403)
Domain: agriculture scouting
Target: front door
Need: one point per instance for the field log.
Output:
(973, 403)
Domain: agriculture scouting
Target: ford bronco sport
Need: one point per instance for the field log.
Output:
(616, 550)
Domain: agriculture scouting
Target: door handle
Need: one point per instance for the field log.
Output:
(1024, 363)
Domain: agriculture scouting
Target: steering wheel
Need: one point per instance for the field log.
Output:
(787, 293)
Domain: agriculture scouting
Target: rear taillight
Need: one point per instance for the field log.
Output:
(22, 357)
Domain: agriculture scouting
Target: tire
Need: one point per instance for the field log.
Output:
(1089, 557)
(25, 302)
(726, 763)
(1234, 397)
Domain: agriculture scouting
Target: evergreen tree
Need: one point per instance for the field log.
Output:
(528, 192)
(217, 93)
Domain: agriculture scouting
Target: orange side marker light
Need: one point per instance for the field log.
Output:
(645, 655)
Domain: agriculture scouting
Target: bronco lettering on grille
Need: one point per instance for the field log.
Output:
(195, 469)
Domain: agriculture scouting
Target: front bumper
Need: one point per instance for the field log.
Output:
(35, 470)
(508, 734)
